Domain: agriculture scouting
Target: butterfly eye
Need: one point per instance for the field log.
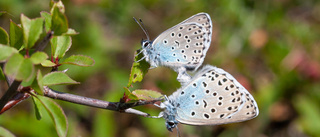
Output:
(145, 44)
(171, 124)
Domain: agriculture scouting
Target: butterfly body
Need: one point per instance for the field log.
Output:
(182, 47)
(212, 97)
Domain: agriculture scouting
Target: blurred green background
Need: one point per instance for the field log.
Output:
(271, 47)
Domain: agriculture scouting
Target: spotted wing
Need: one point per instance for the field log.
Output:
(214, 97)
(185, 44)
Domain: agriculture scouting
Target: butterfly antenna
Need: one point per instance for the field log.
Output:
(142, 27)
(145, 29)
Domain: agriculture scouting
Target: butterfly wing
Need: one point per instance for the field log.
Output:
(214, 97)
(185, 44)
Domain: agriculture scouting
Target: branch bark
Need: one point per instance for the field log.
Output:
(115, 106)
(9, 93)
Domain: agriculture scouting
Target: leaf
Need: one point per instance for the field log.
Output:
(57, 4)
(19, 68)
(4, 38)
(37, 107)
(79, 60)
(56, 114)
(146, 94)
(38, 57)
(47, 63)
(55, 78)
(129, 95)
(70, 32)
(59, 23)
(32, 29)
(4, 132)
(138, 70)
(60, 45)
(28, 82)
(16, 35)
(38, 85)
(6, 52)
(47, 20)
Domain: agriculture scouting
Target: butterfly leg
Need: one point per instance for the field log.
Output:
(141, 51)
(141, 59)
(162, 106)
(159, 116)
(183, 76)
(153, 65)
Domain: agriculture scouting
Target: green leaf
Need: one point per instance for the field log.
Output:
(47, 20)
(79, 60)
(38, 57)
(5, 133)
(39, 83)
(16, 36)
(47, 63)
(59, 23)
(129, 94)
(4, 38)
(32, 29)
(70, 32)
(19, 68)
(6, 52)
(60, 45)
(28, 82)
(55, 78)
(37, 107)
(146, 94)
(56, 114)
(57, 4)
(138, 70)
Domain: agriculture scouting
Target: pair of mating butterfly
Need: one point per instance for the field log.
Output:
(212, 96)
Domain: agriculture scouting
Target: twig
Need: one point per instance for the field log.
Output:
(42, 44)
(9, 93)
(16, 99)
(115, 106)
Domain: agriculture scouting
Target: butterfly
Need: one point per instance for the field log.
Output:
(212, 97)
(182, 47)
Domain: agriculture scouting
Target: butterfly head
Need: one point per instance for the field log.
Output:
(171, 124)
(145, 43)
(169, 114)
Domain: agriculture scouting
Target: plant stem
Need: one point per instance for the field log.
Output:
(115, 106)
(13, 90)
(15, 100)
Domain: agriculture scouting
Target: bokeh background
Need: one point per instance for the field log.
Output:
(271, 47)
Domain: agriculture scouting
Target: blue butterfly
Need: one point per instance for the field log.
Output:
(211, 97)
(182, 47)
